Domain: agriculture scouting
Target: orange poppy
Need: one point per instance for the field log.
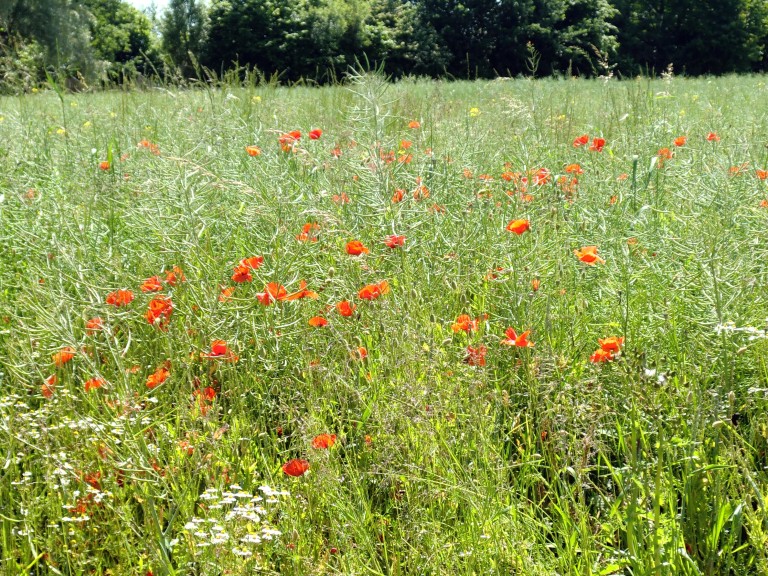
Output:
(119, 298)
(105, 165)
(588, 255)
(159, 311)
(273, 292)
(323, 441)
(761, 174)
(226, 293)
(315, 134)
(394, 241)
(242, 274)
(680, 140)
(665, 154)
(542, 176)
(398, 196)
(356, 248)
(306, 235)
(94, 383)
(414, 124)
(174, 276)
(157, 377)
(519, 226)
(153, 284)
(341, 198)
(219, 349)
(405, 144)
(345, 308)
(253, 262)
(63, 356)
(362, 352)
(601, 355)
(94, 325)
(580, 140)
(318, 322)
(476, 356)
(253, 150)
(574, 169)
(302, 292)
(373, 291)
(464, 322)
(597, 144)
(713, 137)
(512, 339)
(49, 386)
(535, 283)
(763, 203)
(296, 467)
(611, 344)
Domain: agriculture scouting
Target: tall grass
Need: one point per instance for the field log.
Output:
(534, 460)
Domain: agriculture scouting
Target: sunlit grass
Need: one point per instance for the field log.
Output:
(458, 449)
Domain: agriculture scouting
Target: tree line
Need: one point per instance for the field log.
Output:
(108, 41)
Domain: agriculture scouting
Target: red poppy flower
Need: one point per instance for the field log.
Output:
(219, 349)
(157, 377)
(63, 356)
(580, 140)
(519, 226)
(296, 467)
(713, 137)
(464, 322)
(318, 322)
(306, 232)
(355, 248)
(680, 140)
(273, 292)
(611, 344)
(323, 441)
(120, 298)
(601, 355)
(362, 352)
(49, 386)
(226, 293)
(174, 276)
(315, 134)
(94, 383)
(512, 339)
(253, 150)
(535, 283)
(398, 196)
(414, 124)
(588, 255)
(574, 169)
(542, 176)
(405, 144)
(242, 274)
(345, 308)
(153, 284)
(476, 356)
(597, 144)
(394, 241)
(302, 292)
(341, 198)
(105, 165)
(373, 291)
(94, 325)
(665, 154)
(159, 311)
(253, 262)
(761, 174)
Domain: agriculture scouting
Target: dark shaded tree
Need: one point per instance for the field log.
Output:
(183, 30)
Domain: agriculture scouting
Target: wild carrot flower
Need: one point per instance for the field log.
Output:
(588, 255)
(296, 467)
(519, 226)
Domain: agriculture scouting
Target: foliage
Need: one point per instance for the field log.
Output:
(183, 30)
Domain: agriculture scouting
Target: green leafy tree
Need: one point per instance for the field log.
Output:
(183, 30)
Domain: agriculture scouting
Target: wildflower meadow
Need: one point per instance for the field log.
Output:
(414, 328)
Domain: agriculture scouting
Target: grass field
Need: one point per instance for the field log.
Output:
(272, 397)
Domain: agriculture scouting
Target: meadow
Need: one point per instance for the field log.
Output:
(493, 327)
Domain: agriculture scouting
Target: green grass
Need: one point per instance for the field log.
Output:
(538, 462)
